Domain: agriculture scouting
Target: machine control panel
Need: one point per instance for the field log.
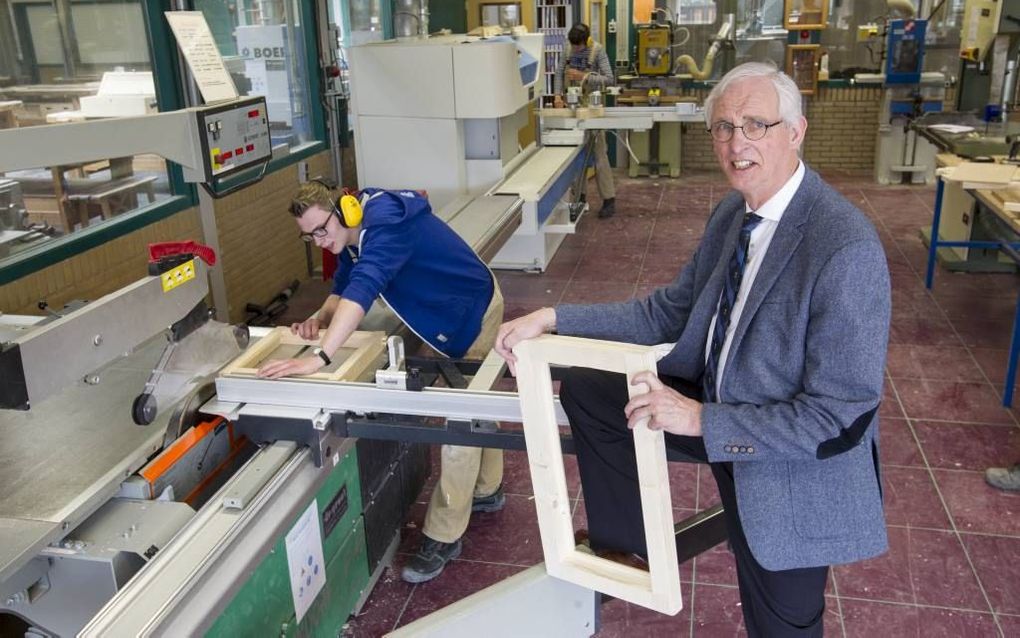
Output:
(234, 137)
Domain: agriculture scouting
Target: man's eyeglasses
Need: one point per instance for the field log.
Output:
(753, 130)
(319, 232)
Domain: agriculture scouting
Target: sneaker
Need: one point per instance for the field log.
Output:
(1004, 478)
(430, 560)
(608, 208)
(491, 503)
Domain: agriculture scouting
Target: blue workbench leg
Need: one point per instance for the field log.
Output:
(1014, 350)
(933, 245)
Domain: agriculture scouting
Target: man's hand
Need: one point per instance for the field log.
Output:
(575, 75)
(527, 327)
(290, 367)
(558, 101)
(665, 408)
(307, 329)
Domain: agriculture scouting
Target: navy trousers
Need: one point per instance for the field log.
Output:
(775, 603)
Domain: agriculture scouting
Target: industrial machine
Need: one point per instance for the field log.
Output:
(211, 143)
(445, 115)
(16, 231)
(654, 49)
(900, 154)
(989, 57)
(250, 506)
(659, 81)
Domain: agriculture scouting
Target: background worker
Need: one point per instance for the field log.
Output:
(587, 66)
(390, 245)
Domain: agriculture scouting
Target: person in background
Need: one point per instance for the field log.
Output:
(587, 66)
(389, 245)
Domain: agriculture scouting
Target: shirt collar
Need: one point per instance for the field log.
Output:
(774, 208)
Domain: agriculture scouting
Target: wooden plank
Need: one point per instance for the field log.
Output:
(657, 589)
(982, 175)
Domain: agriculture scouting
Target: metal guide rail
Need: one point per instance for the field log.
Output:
(468, 416)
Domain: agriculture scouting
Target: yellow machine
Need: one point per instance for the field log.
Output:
(654, 55)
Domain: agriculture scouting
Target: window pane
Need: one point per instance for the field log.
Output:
(263, 46)
(74, 61)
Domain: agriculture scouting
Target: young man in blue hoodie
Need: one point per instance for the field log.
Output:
(389, 245)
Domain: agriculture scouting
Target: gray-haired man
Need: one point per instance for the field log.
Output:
(778, 328)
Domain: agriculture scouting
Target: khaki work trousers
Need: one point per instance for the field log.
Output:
(603, 171)
(466, 472)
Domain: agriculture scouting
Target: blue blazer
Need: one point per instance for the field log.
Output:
(798, 415)
(420, 267)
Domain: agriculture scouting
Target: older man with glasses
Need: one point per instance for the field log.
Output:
(391, 246)
(774, 336)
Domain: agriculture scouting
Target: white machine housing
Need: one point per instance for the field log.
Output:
(441, 114)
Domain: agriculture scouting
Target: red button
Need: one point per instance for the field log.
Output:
(250, 148)
(238, 150)
(226, 156)
(254, 113)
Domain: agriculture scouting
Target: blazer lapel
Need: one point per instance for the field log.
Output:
(788, 236)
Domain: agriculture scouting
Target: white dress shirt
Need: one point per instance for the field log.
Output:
(770, 212)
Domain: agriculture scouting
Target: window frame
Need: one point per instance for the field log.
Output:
(170, 97)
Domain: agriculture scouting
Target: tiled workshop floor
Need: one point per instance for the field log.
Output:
(955, 542)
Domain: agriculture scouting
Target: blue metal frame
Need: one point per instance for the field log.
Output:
(1010, 248)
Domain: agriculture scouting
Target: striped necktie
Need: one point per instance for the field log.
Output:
(734, 275)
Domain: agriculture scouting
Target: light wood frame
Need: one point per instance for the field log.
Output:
(812, 15)
(658, 588)
(366, 345)
(809, 54)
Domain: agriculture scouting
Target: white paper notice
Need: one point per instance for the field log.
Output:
(304, 560)
(203, 57)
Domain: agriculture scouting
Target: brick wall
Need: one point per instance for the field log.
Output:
(259, 246)
(259, 251)
(96, 272)
(842, 130)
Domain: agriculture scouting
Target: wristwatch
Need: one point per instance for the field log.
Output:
(322, 355)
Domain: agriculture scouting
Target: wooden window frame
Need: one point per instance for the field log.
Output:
(657, 589)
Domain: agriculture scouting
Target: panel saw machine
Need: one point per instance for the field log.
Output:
(209, 519)
(190, 525)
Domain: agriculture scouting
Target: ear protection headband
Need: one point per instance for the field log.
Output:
(347, 208)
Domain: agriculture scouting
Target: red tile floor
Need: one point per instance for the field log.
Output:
(954, 542)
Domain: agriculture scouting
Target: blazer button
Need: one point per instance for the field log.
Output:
(743, 449)
(727, 448)
(750, 450)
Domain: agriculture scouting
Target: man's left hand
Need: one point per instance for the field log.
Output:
(290, 367)
(665, 408)
(575, 75)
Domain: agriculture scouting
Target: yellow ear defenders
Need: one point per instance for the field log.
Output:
(347, 207)
(350, 211)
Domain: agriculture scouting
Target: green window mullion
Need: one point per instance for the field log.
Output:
(165, 74)
(313, 68)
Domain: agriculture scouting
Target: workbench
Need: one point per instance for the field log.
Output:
(997, 203)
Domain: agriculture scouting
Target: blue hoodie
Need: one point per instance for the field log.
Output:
(423, 270)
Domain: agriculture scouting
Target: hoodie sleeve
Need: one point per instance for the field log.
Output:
(342, 275)
(384, 251)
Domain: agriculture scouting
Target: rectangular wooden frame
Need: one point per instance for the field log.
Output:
(809, 18)
(367, 346)
(657, 589)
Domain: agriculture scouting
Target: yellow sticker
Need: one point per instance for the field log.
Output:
(213, 154)
(177, 276)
